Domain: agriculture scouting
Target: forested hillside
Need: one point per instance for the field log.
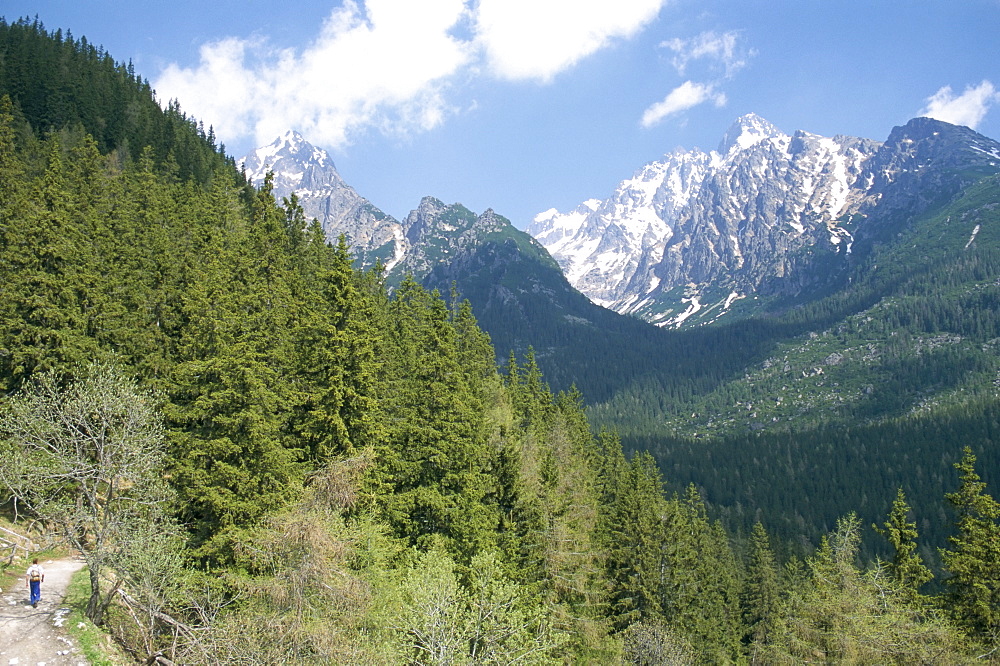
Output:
(837, 401)
(265, 457)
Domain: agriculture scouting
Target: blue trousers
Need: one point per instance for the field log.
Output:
(36, 591)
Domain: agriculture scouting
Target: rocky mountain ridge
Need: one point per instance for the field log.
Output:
(518, 292)
(688, 239)
(431, 234)
(689, 236)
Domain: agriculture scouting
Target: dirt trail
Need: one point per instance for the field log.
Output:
(33, 636)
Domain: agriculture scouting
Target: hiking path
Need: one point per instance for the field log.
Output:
(34, 636)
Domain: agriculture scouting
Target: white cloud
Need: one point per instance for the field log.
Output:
(685, 96)
(722, 50)
(389, 64)
(537, 39)
(383, 64)
(219, 88)
(967, 109)
(724, 56)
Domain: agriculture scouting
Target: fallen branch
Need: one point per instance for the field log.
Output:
(159, 615)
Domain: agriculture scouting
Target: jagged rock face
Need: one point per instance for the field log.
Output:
(436, 233)
(921, 161)
(696, 231)
(760, 206)
(688, 236)
(300, 167)
(431, 234)
(732, 218)
(606, 248)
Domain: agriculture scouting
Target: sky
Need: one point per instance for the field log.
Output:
(526, 105)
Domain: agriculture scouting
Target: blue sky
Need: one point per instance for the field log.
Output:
(526, 105)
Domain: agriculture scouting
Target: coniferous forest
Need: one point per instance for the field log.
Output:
(267, 457)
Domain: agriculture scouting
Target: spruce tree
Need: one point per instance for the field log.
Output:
(45, 277)
(907, 567)
(433, 473)
(633, 531)
(336, 351)
(762, 596)
(700, 589)
(13, 208)
(973, 561)
(231, 392)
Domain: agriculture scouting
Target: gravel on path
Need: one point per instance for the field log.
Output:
(34, 636)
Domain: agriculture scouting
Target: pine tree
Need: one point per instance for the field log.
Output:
(633, 533)
(13, 208)
(762, 596)
(154, 240)
(45, 279)
(907, 567)
(700, 589)
(433, 477)
(974, 558)
(337, 348)
(231, 395)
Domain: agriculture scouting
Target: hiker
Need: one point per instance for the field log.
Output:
(34, 578)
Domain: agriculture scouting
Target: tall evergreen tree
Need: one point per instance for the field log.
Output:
(907, 566)
(230, 400)
(434, 463)
(14, 203)
(700, 589)
(762, 597)
(337, 348)
(633, 530)
(973, 561)
(45, 277)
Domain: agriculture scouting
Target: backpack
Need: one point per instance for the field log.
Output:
(35, 577)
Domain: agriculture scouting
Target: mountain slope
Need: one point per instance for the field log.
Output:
(521, 298)
(862, 369)
(923, 163)
(869, 314)
(846, 398)
(431, 234)
(914, 318)
(60, 83)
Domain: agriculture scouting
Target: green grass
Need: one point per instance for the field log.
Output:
(96, 646)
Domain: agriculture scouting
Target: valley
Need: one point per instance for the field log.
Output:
(872, 306)
(744, 410)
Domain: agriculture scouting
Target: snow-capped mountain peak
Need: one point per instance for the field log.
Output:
(301, 167)
(297, 165)
(729, 219)
(746, 132)
(688, 235)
